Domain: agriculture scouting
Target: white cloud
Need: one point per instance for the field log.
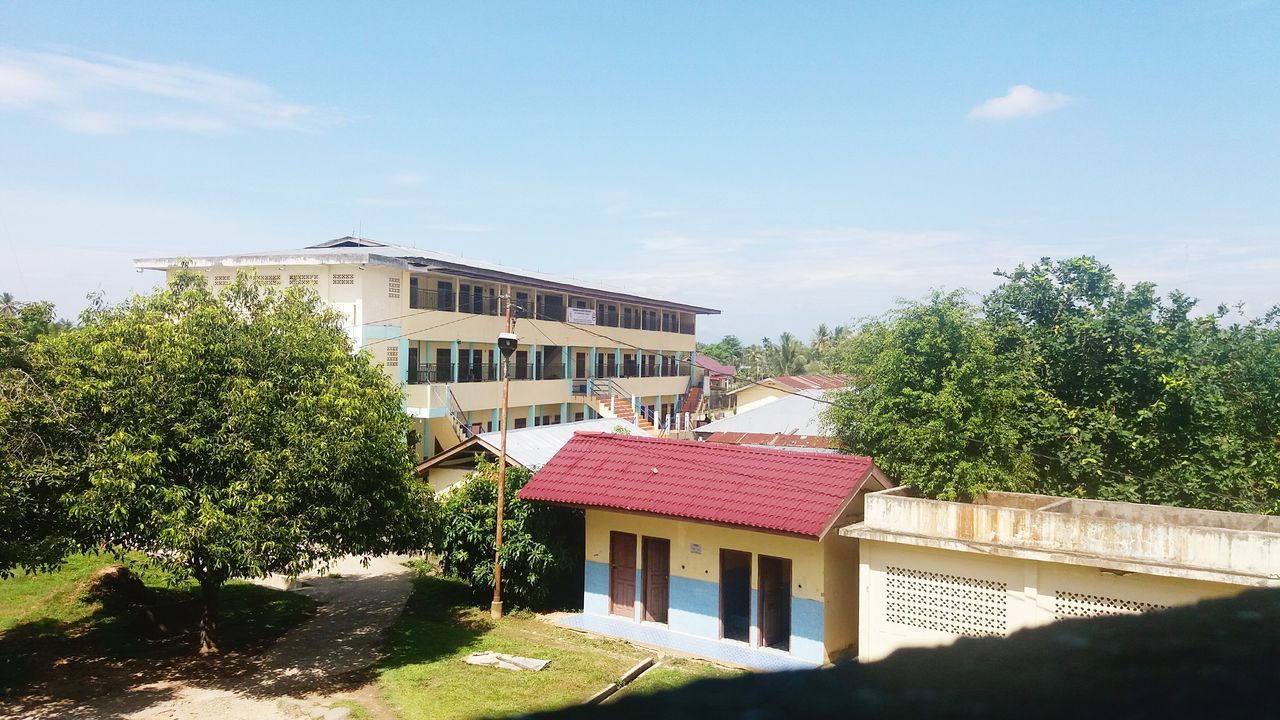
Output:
(408, 178)
(106, 94)
(792, 279)
(1020, 101)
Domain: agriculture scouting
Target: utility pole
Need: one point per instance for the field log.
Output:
(507, 345)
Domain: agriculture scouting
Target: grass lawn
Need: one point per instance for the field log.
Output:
(45, 619)
(423, 676)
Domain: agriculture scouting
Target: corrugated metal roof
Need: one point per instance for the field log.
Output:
(533, 447)
(778, 490)
(778, 440)
(811, 382)
(350, 250)
(799, 414)
(714, 366)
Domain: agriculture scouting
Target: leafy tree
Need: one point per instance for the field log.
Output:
(230, 435)
(788, 356)
(542, 544)
(1070, 383)
(935, 405)
(36, 535)
(728, 350)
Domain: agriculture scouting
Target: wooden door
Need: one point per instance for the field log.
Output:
(580, 369)
(622, 574)
(775, 602)
(657, 578)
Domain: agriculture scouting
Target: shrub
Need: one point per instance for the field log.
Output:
(542, 544)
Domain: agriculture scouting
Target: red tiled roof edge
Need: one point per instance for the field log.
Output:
(767, 489)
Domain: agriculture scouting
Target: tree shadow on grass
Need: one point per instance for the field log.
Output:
(439, 618)
(46, 665)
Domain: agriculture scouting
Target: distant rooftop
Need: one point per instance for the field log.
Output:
(799, 414)
(530, 447)
(354, 250)
(803, 382)
(714, 366)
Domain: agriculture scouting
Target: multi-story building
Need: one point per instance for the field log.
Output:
(432, 320)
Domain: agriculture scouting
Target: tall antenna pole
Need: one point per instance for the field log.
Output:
(495, 609)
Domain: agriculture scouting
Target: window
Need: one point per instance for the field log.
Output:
(221, 280)
(393, 288)
(521, 423)
(269, 279)
(393, 356)
(304, 279)
(344, 279)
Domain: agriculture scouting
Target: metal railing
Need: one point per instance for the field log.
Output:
(483, 372)
(426, 299)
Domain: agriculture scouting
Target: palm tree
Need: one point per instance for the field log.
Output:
(821, 340)
(788, 356)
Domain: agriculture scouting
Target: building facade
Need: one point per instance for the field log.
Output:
(432, 321)
(726, 552)
(934, 571)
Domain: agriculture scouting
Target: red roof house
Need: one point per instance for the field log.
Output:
(718, 550)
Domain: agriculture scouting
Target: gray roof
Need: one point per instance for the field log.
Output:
(798, 414)
(355, 251)
(533, 447)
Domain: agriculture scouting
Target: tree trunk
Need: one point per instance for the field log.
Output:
(209, 615)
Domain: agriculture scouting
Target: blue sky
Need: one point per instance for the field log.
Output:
(788, 163)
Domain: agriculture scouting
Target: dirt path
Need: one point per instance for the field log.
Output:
(311, 672)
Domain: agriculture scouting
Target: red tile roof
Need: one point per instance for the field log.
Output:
(778, 490)
(809, 382)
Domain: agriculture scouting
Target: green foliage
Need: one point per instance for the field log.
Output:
(728, 350)
(229, 435)
(35, 534)
(542, 544)
(1070, 383)
(934, 404)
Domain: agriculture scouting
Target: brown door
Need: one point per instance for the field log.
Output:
(657, 578)
(622, 574)
(775, 602)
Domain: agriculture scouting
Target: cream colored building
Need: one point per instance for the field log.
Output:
(933, 571)
(432, 321)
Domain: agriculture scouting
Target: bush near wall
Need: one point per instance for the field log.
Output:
(542, 544)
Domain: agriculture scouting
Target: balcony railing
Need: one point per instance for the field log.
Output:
(424, 299)
(482, 372)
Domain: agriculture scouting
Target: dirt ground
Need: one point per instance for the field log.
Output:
(314, 671)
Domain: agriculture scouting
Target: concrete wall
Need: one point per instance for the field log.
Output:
(920, 596)
(1201, 544)
(754, 396)
(694, 591)
(442, 479)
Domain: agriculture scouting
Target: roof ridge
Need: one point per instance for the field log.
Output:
(721, 447)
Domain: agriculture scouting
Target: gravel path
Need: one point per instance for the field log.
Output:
(306, 674)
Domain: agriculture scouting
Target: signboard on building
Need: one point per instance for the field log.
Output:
(582, 316)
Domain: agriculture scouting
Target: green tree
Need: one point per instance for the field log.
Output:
(542, 544)
(935, 405)
(1070, 383)
(788, 356)
(36, 533)
(230, 435)
(728, 350)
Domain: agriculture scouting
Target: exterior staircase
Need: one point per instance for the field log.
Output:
(692, 401)
(611, 401)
